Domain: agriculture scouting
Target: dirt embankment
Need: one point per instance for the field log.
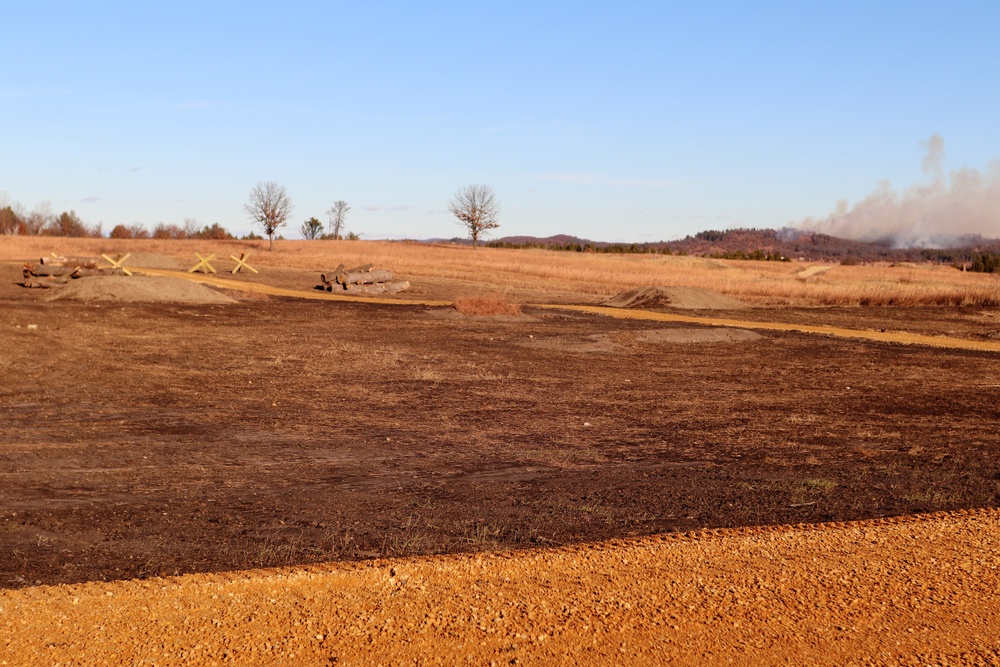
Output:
(685, 298)
(913, 591)
(137, 289)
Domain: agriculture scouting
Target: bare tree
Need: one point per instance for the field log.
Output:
(190, 228)
(270, 207)
(11, 218)
(40, 219)
(476, 208)
(337, 215)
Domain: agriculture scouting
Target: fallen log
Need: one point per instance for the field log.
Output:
(44, 281)
(83, 262)
(378, 288)
(357, 269)
(56, 271)
(50, 269)
(100, 271)
(364, 277)
(328, 281)
(32, 282)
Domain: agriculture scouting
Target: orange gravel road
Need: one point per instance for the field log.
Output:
(911, 591)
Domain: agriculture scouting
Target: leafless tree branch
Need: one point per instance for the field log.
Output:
(337, 215)
(270, 207)
(476, 208)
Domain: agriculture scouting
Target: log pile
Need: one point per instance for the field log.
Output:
(361, 280)
(49, 271)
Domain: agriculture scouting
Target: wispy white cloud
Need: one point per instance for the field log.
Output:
(595, 179)
(90, 200)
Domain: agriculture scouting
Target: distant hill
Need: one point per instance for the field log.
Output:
(769, 244)
(558, 239)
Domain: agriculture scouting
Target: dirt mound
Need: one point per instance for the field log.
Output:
(689, 298)
(687, 335)
(155, 260)
(138, 289)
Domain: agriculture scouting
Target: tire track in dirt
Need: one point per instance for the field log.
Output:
(913, 590)
(898, 337)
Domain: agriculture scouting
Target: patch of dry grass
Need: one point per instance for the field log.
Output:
(487, 304)
(549, 276)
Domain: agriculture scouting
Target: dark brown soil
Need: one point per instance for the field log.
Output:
(686, 298)
(148, 439)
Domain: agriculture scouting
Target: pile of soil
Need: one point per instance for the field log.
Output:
(688, 298)
(139, 289)
(155, 260)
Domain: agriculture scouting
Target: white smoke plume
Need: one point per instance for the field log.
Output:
(936, 215)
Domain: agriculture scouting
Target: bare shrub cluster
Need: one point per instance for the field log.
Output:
(487, 304)
(42, 221)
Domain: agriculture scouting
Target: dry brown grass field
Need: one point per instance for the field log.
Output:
(490, 487)
(544, 276)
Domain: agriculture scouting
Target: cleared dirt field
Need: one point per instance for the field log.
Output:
(149, 439)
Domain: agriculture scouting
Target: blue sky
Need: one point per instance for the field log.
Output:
(616, 121)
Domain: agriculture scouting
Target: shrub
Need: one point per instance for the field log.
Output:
(986, 263)
(486, 304)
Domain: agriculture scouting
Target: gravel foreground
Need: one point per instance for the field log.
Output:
(909, 591)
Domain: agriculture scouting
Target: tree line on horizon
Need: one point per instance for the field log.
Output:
(269, 206)
(972, 253)
(42, 221)
(476, 209)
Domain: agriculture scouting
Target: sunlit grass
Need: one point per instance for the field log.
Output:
(587, 277)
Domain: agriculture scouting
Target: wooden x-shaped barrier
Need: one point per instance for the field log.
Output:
(241, 262)
(117, 262)
(203, 264)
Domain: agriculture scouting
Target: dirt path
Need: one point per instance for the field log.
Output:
(261, 288)
(914, 591)
(903, 338)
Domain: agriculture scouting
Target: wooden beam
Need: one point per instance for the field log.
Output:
(241, 262)
(203, 264)
(118, 261)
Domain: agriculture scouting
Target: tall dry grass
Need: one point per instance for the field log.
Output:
(543, 275)
(487, 304)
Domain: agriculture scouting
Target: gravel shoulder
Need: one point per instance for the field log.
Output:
(918, 590)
